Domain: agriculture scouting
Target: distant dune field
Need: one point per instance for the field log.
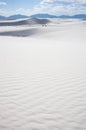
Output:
(43, 74)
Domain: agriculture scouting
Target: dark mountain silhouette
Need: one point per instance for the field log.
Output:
(19, 16)
(43, 16)
(54, 16)
(73, 16)
(2, 17)
(79, 16)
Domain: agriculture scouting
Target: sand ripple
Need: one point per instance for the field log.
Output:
(45, 102)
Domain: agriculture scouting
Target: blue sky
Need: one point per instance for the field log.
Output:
(29, 7)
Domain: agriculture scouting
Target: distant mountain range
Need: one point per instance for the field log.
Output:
(43, 16)
(2, 17)
(80, 16)
(19, 16)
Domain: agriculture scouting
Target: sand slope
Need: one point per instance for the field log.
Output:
(43, 78)
(30, 21)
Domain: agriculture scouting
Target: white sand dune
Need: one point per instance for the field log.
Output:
(30, 21)
(43, 76)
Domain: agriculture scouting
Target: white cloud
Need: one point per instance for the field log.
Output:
(4, 12)
(3, 3)
(59, 7)
(62, 1)
(22, 11)
(56, 7)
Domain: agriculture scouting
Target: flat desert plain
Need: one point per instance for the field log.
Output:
(43, 74)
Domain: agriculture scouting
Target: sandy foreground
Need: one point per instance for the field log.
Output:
(43, 76)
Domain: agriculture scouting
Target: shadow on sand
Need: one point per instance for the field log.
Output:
(31, 21)
(19, 33)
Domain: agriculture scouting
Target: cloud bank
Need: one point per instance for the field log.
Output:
(55, 7)
(3, 3)
(59, 7)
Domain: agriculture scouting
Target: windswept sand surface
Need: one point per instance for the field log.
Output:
(43, 76)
